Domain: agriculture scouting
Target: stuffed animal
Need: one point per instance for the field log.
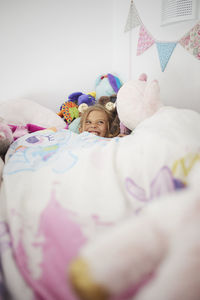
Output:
(77, 102)
(142, 98)
(80, 98)
(107, 85)
(68, 111)
(6, 137)
(82, 107)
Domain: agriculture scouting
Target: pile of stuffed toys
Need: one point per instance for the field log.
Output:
(78, 102)
(22, 116)
(70, 110)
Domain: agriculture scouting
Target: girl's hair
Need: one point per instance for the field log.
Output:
(110, 115)
(115, 126)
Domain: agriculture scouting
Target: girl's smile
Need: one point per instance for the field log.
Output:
(96, 123)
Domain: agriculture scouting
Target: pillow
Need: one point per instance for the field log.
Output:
(23, 111)
(74, 126)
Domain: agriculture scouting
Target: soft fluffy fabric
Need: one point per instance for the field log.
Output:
(138, 100)
(61, 190)
(154, 256)
(23, 111)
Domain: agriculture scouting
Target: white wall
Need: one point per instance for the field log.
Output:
(51, 48)
(179, 82)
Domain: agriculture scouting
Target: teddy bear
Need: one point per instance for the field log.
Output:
(152, 254)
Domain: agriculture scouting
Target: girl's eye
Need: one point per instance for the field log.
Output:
(101, 122)
(87, 122)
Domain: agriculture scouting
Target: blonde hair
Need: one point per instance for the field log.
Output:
(97, 107)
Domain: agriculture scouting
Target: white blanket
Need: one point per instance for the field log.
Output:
(61, 189)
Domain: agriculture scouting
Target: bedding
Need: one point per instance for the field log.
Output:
(61, 190)
(24, 111)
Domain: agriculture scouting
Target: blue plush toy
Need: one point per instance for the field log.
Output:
(107, 85)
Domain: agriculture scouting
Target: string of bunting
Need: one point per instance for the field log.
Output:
(190, 41)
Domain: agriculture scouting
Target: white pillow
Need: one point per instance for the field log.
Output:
(23, 111)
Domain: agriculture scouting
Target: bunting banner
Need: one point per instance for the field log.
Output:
(164, 52)
(190, 41)
(133, 19)
(145, 40)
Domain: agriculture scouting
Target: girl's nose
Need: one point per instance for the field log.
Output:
(93, 125)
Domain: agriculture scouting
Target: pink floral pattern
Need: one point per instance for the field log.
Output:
(145, 40)
(191, 41)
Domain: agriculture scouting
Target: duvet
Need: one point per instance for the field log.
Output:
(61, 190)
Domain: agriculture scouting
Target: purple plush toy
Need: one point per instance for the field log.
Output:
(80, 98)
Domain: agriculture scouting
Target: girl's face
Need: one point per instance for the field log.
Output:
(96, 123)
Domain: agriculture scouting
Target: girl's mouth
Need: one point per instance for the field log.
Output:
(94, 132)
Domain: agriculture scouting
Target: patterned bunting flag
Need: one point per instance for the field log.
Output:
(145, 40)
(133, 19)
(165, 50)
(191, 41)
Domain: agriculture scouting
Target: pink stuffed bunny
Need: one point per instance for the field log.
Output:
(137, 100)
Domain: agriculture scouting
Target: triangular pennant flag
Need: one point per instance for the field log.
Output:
(165, 50)
(191, 41)
(133, 19)
(145, 40)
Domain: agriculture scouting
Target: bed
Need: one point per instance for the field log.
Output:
(60, 190)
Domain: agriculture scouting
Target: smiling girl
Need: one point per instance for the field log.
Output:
(97, 120)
